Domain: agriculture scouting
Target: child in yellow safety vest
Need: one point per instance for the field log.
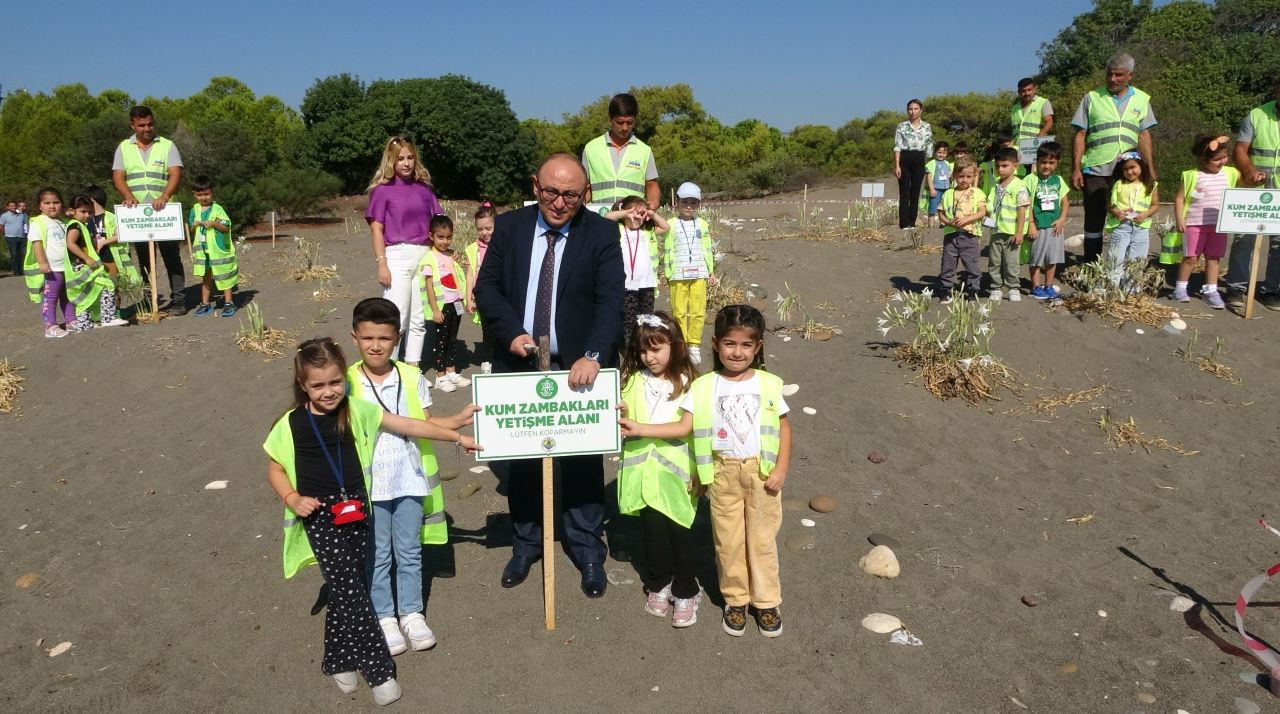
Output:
(1135, 198)
(638, 226)
(485, 218)
(658, 480)
(445, 294)
(95, 288)
(213, 255)
(689, 263)
(45, 263)
(1195, 208)
(321, 452)
(742, 443)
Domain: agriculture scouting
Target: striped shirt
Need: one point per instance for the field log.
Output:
(1206, 199)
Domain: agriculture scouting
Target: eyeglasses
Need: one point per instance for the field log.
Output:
(550, 195)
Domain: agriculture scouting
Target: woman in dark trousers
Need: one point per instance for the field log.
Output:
(912, 146)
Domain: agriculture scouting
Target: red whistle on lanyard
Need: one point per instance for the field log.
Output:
(347, 511)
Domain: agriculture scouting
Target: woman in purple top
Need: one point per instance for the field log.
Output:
(401, 204)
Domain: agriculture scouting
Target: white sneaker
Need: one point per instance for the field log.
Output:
(348, 682)
(115, 322)
(486, 368)
(420, 636)
(445, 384)
(54, 331)
(695, 354)
(995, 295)
(391, 631)
(1015, 295)
(457, 379)
(387, 692)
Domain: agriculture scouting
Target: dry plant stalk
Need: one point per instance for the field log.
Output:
(1118, 294)
(946, 378)
(146, 317)
(302, 262)
(1142, 309)
(257, 337)
(10, 386)
(1047, 405)
(789, 302)
(1207, 362)
(726, 291)
(1126, 433)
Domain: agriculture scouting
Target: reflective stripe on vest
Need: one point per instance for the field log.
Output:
(1110, 134)
(206, 246)
(703, 396)
(436, 279)
(434, 528)
(948, 209)
(655, 473)
(1264, 151)
(1007, 217)
(1027, 121)
(609, 184)
(670, 259)
(147, 180)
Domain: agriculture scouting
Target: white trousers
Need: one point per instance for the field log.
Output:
(406, 293)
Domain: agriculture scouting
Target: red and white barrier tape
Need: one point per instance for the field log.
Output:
(1264, 653)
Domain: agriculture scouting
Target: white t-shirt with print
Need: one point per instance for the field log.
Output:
(55, 244)
(397, 461)
(659, 407)
(736, 416)
(636, 260)
(689, 262)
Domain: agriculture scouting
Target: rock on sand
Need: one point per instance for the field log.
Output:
(880, 562)
(823, 503)
(881, 623)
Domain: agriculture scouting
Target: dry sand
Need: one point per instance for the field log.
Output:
(172, 597)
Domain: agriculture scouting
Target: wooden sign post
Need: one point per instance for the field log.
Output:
(155, 296)
(548, 511)
(1253, 275)
(273, 229)
(142, 224)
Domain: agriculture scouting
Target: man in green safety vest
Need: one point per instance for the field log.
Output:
(618, 164)
(148, 169)
(1031, 115)
(1257, 156)
(1110, 121)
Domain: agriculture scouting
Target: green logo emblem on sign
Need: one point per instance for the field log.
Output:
(547, 388)
(1265, 198)
(548, 444)
(147, 211)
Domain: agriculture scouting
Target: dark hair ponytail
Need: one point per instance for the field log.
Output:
(318, 353)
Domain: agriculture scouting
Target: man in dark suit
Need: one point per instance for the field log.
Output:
(555, 269)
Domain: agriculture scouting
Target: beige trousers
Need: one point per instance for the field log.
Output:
(745, 522)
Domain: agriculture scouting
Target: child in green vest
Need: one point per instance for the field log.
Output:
(937, 176)
(638, 227)
(690, 265)
(1049, 208)
(1007, 204)
(1196, 209)
(1135, 198)
(45, 263)
(742, 443)
(443, 289)
(406, 495)
(318, 452)
(961, 211)
(213, 255)
(658, 480)
(100, 291)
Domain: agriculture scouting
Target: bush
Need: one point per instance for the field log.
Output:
(296, 191)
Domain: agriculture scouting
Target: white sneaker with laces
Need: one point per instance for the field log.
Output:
(348, 682)
(445, 384)
(54, 331)
(695, 354)
(457, 379)
(486, 368)
(995, 296)
(1015, 295)
(420, 636)
(114, 322)
(387, 692)
(391, 631)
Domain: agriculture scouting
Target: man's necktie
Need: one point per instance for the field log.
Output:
(546, 288)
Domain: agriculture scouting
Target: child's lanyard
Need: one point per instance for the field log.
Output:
(688, 243)
(633, 252)
(336, 467)
(204, 216)
(374, 388)
(1000, 192)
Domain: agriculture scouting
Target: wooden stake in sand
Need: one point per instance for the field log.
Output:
(1253, 273)
(548, 511)
(273, 229)
(155, 297)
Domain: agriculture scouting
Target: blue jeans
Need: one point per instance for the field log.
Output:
(1128, 243)
(397, 533)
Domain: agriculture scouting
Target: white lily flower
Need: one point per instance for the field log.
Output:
(927, 292)
(897, 297)
(881, 321)
(906, 311)
(964, 363)
(984, 328)
(884, 331)
(986, 360)
(984, 310)
(944, 344)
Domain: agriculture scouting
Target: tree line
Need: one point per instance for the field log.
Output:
(1204, 64)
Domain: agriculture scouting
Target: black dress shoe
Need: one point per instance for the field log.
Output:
(517, 570)
(593, 580)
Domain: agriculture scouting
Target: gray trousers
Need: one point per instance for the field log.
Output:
(960, 248)
(1241, 256)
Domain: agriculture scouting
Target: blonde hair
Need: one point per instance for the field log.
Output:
(387, 168)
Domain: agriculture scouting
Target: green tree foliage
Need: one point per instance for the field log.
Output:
(296, 190)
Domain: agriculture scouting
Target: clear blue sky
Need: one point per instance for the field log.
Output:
(789, 63)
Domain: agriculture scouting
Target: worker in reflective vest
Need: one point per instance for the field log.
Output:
(148, 169)
(1110, 121)
(1257, 155)
(1031, 116)
(617, 163)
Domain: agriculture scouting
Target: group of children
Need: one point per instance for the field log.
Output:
(1027, 214)
(75, 266)
(353, 465)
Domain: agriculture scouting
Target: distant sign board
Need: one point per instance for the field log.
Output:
(142, 223)
(526, 415)
(873, 190)
(1027, 148)
(1250, 210)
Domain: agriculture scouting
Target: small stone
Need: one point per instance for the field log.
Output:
(618, 576)
(1102, 613)
(215, 485)
(810, 411)
(881, 624)
(478, 469)
(789, 390)
(469, 490)
(1146, 698)
(786, 338)
(26, 580)
(805, 540)
(880, 562)
(876, 457)
(1139, 330)
(448, 475)
(807, 523)
(885, 540)
(59, 649)
(1245, 706)
(823, 503)
(1174, 314)
(1181, 604)
(1178, 323)
(1029, 601)
(1068, 667)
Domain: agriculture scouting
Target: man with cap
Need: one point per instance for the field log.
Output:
(618, 164)
(690, 266)
(1257, 155)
